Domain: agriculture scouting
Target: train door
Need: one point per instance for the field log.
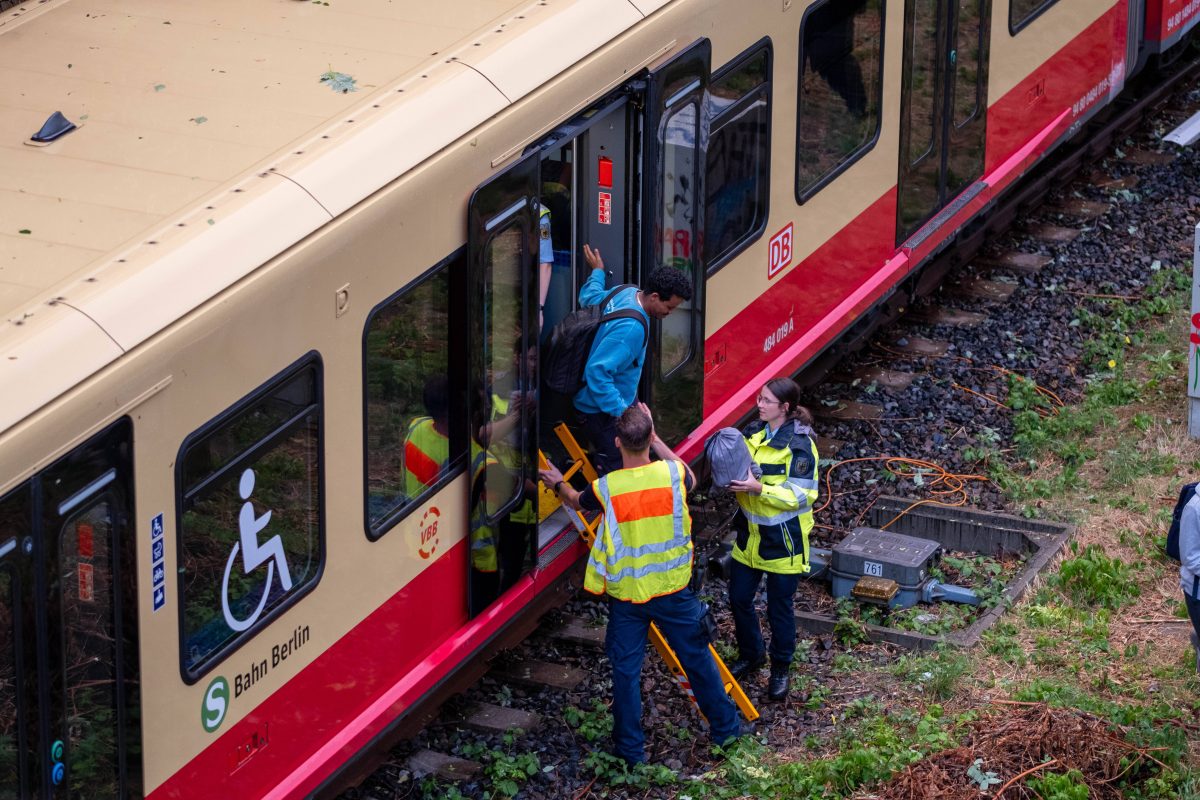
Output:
(502, 314)
(69, 725)
(675, 152)
(526, 231)
(943, 105)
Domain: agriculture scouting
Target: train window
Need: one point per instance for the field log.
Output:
(678, 204)
(412, 421)
(922, 117)
(738, 169)
(968, 77)
(1023, 12)
(510, 368)
(841, 79)
(89, 642)
(251, 517)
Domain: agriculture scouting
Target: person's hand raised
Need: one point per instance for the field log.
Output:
(592, 257)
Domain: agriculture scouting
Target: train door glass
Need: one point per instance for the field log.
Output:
(676, 130)
(502, 240)
(16, 712)
(68, 599)
(943, 105)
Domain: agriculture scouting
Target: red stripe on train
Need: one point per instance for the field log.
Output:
(352, 691)
(806, 309)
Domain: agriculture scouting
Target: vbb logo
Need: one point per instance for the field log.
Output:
(779, 252)
(429, 533)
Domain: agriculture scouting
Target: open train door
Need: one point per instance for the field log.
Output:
(673, 165)
(502, 319)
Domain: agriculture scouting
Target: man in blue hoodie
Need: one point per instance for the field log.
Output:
(614, 365)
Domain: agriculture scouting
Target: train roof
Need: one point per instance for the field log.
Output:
(212, 136)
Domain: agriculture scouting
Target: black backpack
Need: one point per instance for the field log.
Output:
(571, 342)
(1185, 496)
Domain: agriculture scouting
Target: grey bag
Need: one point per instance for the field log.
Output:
(729, 457)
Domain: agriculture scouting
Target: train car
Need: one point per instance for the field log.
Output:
(274, 276)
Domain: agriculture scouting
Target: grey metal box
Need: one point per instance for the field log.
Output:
(883, 554)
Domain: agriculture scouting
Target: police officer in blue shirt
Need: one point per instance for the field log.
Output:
(545, 260)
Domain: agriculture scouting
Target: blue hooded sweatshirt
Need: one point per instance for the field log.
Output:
(614, 365)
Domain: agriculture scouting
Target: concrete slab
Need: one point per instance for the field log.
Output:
(579, 632)
(1148, 158)
(888, 379)
(1103, 180)
(964, 530)
(1082, 209)
(1015, 261)
(488, 718)
(1052, 234)
(981, 289)
(917, 346)
(828, 448)
(541, 673)
(450, 768)
(848, 410)
(941, 315)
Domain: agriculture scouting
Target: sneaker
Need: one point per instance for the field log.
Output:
(744, 666)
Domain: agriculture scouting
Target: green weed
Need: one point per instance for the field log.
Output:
(1092, 578)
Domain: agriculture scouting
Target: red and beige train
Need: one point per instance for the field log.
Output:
(270, 293)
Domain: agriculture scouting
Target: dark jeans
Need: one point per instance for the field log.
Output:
(781, 614)
(1193, 609)
(601, 430)
(678, 617)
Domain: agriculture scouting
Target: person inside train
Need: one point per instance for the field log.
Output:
(772, 530)
(427, 440)
(641, 559)
(614, 364)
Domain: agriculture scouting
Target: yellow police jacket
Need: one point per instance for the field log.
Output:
(483, 538)
(644, 548)
(772, 530)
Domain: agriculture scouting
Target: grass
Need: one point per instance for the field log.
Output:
(1102, 632)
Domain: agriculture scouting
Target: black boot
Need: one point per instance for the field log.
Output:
(781, 679)
(744, 666)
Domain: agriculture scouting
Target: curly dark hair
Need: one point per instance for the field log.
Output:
(668, 282)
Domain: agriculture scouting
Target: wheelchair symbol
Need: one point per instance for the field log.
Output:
(254, 555)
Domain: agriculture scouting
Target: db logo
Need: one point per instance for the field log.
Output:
(779, 252)
(429, 533)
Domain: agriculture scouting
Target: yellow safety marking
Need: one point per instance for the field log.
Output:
(587, 530)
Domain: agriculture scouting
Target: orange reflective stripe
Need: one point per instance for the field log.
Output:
(420, 465)
(640, 505)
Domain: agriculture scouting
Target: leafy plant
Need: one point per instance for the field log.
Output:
(591, 725)
(1092, 578)
(1060, 786)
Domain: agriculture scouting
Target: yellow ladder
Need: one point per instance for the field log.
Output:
(587, 530)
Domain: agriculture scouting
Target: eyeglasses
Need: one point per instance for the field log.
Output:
(764, 401)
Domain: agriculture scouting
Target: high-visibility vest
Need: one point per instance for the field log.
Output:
(644, 548)
(425, 454)
(483, 537)
(774, 536)
(510, 457)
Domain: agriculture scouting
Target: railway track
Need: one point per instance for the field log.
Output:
(929, 378)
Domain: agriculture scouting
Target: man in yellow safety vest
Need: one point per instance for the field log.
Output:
(642, 559)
